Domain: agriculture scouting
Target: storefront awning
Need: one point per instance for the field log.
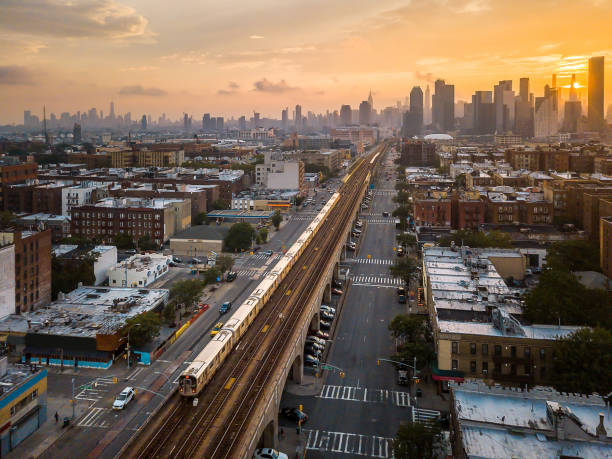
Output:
(446, 375)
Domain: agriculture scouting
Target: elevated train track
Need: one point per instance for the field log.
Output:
(212, 429)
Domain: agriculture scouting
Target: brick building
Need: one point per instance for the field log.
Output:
(432, 211)
(32, 267)
(417, 154)
(468, 211)
(605, 245)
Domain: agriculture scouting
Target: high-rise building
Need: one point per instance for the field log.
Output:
(76, 133)
(412, 120)
(371, 100)
(297, 117)
(242, 123)
(365, 112)
(112, 111)
(503, 99)
(143, 123)
(523, 111)
(427, 106)
(285, 117)
(186, 122)
(609, 114)
(545, 114)
(596, 93)
(206, 121)
(256, 120)
(483, 113)
(346, 115)
(443, 106)
(572, 116)
(219, 123)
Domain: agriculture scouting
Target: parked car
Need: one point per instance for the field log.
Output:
(329, 309)
(356, 235)
(355, 230)
(315, 339)
(336, 283)
(359, 224)
(269, 453)
(402, 377)
(196, 261)
(316, 353)
(231, 276)
(293, 414)
(314, 345)
(203, 306)
(124, 397)
(216, 328)
(326, 315)
(310, 361)
(225, 307)
(336, 291)
(351, 246)
(321, 334)
(177, 259)
(131, 251)
(400, 252)
(325, 325)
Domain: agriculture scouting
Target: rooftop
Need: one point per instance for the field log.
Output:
(206, 232)
(153, 203)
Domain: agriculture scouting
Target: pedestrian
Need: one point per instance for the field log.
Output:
(56, 417)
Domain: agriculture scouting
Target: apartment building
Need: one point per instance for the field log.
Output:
(147, 158)
(276, 173)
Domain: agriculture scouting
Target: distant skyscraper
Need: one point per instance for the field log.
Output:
(483, 113)
(76, 133)
(412, 120)
(365, 112)
(523, 111)
(206, 121)
(545, 114)
(285, 117)
(443, 106)
(503, 99)
(186, 122)
(427, 106)
(242, 123)
(112, 111)
(596, 93)
(346, 115)
(256, 120)
(572, 116)
(297, 117)
(143, 123)
(371, 100)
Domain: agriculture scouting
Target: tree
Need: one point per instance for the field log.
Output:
(402, 186)
(477, 239)
(186, 292)
(299, 200)
(6, 218)
(460, 181)
(239, 237)
(146, 243)
(574, 256)
(416, 440)
(169, 314)
(263, 235)
(67, 273)
(403, 213)
(422, 350)
(582, 363)
(220, 204)
(403, 268)
(142, 328)
(277, 218)
(199, 219)
(211, 275)
(406, 239)
(402, 197)
(224, 263)
(407, 326)
(123, 241)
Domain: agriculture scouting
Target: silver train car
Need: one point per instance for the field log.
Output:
(197, 375)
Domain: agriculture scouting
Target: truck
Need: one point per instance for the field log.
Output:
(402, 377)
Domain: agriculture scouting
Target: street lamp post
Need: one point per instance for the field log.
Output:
(128, 344)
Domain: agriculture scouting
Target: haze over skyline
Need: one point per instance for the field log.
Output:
(234, 57)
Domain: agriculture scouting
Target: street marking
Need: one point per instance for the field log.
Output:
(92, 418)
(230, 383)
(265, 328)
(362, 394)
(135, 373)
(375, 261)
(349, 443)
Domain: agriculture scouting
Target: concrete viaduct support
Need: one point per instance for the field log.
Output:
(262, 429)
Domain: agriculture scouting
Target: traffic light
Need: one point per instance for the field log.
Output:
(342, 374)
(378, 362)
(417, 380)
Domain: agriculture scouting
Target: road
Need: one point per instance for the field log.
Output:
(100, 431)
(360, 413)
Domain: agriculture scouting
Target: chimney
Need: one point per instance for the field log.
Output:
(602, 434)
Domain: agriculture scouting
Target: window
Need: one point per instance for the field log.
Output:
(454, 364)
(498, 368)
(542, 355)
(542, 372)
(513, 369)
(485, 349)
(527, 352)
(527, 369)
(455, 347)
(498, 350)
(513, 351)
(485, 368)
(473, 348)
(34, 394)
(473, 366)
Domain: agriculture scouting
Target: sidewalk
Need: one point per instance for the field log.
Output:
(292, 444)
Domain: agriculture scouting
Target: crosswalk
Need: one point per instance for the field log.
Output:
(371, 261)
(95, 418)
(424, 416)
(364, 395)
(385, 192)
(135, 373)
(380, 221)
(263, 256)
(249, 273)
(384, 280)
(348, 443)
(97, 391)
(301, 218)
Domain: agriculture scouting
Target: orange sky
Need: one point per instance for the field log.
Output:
(232, 57)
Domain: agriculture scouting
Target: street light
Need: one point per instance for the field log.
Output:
(128, 344)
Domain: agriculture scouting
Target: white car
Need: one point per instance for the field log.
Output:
(329, 309)
(124, 397)
(269, 453)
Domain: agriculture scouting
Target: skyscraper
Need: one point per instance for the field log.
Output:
(297, 117)
(572, 116)
(143, 123)
(371, 100)
(206, 121)
(412, 120)
(596, 93)
(112, 111)
(76, 133)
(523, 111)
(346, 115)
(483, 113)
(285, 117)
(220, 123)
(427, 106)
(365, 112)
(443, 106)
(545, 114)
(242, 123)
(503, 99)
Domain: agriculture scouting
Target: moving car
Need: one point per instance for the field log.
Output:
(268, 253)
(124, 397)
(216, 328)
(293, 414)
(385, 214)
(402, 377)
(269, 453)
(225, 307)
(400, 252)
(231, 276)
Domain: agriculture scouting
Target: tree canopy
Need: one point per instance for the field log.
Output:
(224, 263)
(582, 363)
(221, 204)
(406, 239)
(67, 273)
(146, 243)
(123, 241)
(403, 268)
(199, 219)
(142, 328)
(239, 236)
(477, 239)
(409, 327)
(186, 292)
(573, 256)
(277, 218)
(415, 440)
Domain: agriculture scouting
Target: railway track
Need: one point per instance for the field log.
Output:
(212, 428)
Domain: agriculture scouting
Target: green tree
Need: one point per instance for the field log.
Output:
(263, 235)
(402, 197)
(186, 292)
(409, 327)
(415, 440)
(574, 256)
(142, 328)
(477, 239)
(224, 263)
(403, 268)
(78, 240)
(239, 237)
(123, 241)
(199, 219)
(211, 275)
(220, 204)
(422, 350)
(299, 200)
(403, 213)
(277, 218)
(67, 273)
(169, 314)
(7, 218)
(582, 363)
(406, 239)
(460, 181)
(402, 186)
(146, 243)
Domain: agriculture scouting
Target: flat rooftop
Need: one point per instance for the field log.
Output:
(152, 203)
(15, 376)
(233, 213)
(86, 312)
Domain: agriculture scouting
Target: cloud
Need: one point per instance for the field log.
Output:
(232, 89)
(106, 19)
(15, 75)
(425, 76)
(188, 57)
(264, 85)
(256, 37)
(138, 90)
(140, 68)
(473, 7)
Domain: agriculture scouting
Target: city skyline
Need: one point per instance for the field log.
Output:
(71, 58)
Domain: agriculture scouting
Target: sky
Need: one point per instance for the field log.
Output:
(233, 57)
